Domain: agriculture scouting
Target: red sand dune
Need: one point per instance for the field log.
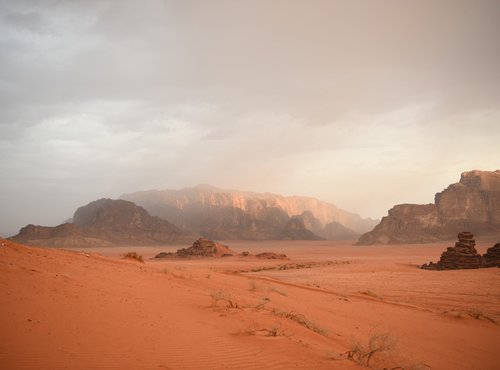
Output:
(72, 310)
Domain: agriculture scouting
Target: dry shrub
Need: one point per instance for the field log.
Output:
(222, 300)
(273, 332)
(252, 285)
(134, 256)
(369, 293)
(302, 320)
(377, 343)
(279, 291)
(479, 315)
(476, 313)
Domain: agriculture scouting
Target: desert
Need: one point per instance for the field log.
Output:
(91, 308)
(249, 185)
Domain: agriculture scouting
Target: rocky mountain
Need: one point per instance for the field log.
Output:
(105, 222)
(232, 214)
(295, 229)
(471, 204)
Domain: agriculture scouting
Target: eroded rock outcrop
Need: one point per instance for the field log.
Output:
(471, 204)
(202, 247)
(272, 256)
(462, 256)
(105, 222)
(492, 256)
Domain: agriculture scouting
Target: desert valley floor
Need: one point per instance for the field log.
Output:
(92, 309)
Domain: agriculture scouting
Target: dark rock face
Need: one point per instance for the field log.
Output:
(201, 248)
(462, 256)
(104, 222)
(492, 256)
(231, 214)
(295, 229)
(473, 203)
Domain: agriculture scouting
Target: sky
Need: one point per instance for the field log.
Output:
(364, 104)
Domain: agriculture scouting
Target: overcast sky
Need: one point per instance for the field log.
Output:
(364, 104)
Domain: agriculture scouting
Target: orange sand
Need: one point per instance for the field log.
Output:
(72, 310)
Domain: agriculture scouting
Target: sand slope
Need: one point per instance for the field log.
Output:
(71, 310)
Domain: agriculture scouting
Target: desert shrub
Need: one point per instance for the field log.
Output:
(479, 314)
(279, 291)
(302, 320)
(222, 299)
(273, 332)
(262, 304)
(134, 256)
(369, 293)
(252, 285)
(377, 343)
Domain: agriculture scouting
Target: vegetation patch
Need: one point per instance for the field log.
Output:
(134, 256)
(295, 266)
(302, 320)
(378, 343)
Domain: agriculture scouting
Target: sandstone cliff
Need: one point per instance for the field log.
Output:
(471, 204)
(104, 222)
(231, 214)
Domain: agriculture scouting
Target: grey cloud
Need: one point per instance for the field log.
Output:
(103, 97)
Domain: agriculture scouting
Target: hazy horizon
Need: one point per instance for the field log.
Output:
(361, 104)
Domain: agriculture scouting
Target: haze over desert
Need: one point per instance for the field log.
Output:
(249, 184)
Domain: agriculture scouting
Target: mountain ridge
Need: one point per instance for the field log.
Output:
(233, 214)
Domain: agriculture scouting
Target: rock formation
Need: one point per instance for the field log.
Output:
(231, 214)
(473, 204)
(462, 256)
(272, 256)
(295, 229)
(104, 222)
(336, 231)
(201, 248)
(492, 256)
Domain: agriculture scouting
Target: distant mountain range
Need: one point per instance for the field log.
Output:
(156, 217)
(233, 214)
(473, 204)
(179, 216)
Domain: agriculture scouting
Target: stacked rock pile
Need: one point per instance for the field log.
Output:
(462, 256)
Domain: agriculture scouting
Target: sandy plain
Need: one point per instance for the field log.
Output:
(92, 309)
